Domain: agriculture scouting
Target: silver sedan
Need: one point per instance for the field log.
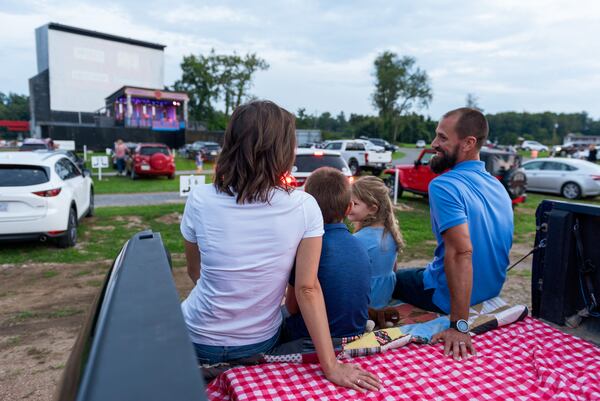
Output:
(570, 178)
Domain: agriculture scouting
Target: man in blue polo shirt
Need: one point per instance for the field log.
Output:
(472, 219)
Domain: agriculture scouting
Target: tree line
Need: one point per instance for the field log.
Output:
(505, 128)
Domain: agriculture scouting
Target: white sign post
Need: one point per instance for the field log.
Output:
(100, 162)
(64, 145)
(188, 182)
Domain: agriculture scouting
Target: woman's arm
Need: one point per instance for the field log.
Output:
(192, 257)
(312, 305)
(291, 304)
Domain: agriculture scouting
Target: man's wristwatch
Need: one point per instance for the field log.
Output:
(460, 325)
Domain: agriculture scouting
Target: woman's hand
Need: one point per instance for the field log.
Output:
(353, 376)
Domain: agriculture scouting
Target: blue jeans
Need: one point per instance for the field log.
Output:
(211, 354)
(120, 165)
(410, 289)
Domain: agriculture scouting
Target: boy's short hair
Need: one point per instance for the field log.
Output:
(331, 188)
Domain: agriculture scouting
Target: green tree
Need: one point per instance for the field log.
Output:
(472, 101)
(14, 107)
(235, 77)
(208, 79)
(369, 126)
(200, 79)
(399, 86)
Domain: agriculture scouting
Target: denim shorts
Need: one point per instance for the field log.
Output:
(410, 289)
(211, 354)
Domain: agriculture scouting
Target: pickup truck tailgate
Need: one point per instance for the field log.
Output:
(380, 157)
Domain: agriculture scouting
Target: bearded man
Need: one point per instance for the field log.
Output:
(472, 219)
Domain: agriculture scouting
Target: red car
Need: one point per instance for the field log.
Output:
(505, 166)
(151, 159)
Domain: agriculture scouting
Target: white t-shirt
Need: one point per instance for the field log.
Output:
(247, 252)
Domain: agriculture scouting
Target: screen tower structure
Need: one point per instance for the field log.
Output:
(79, 68)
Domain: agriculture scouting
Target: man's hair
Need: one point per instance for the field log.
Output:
(332, 191)
(258, 150)
(470, 122)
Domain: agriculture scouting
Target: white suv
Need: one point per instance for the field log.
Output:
(308, 160)
(43, 195)
(534, 145)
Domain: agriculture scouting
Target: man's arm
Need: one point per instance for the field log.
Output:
(192, 257)
(459, 270)
(458, 267)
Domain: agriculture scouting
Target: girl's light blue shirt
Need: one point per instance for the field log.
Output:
(382, 251)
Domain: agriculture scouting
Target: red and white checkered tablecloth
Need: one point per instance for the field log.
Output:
(528, 360)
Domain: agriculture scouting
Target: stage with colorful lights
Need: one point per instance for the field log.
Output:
(159, 110)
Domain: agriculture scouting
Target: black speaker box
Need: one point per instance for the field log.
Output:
(558, 289)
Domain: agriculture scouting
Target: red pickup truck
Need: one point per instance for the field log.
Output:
(505, 166)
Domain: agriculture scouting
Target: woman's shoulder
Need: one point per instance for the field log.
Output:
(203, 193)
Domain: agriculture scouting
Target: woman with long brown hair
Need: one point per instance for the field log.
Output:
(242, 235)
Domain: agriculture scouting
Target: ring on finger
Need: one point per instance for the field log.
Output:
(358, 381)
(462, 343)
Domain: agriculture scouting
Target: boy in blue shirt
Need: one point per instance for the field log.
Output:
(344, 267)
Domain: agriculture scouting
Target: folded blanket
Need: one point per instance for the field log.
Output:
(483, 317)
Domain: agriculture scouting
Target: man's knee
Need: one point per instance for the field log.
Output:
(408, 280)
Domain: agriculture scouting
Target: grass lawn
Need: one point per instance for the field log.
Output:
(398, 155)
(101, 237)
(527, 153)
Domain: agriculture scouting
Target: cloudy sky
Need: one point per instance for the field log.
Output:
(514, 55)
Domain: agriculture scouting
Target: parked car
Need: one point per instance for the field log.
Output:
(503, 165)
(43, 195)
(30, 144)
(570, 178)
(534, 145)
(360, 156)
(309, 145)
(209, 150)
(151, 159)
(384, 143)
(565, 149)
(308, 160)
(420, 143)
(134, 344)
(74, 157)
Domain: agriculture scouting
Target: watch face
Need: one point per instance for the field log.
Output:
(462, 326)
